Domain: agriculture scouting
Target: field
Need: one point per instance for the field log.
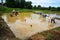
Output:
(53, 34)
(32, 10)
(26, 12)
(9, 10)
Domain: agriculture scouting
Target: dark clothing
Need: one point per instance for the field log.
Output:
(44, 16)
(16, 13)
(40, 13)
(31, 25)
(11, 15)
(53, 20)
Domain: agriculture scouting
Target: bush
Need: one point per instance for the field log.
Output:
(2, 8)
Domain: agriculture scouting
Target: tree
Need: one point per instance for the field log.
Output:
(18, 4)
(53, 8)
(2, 1)
(49, 7)
(34, 7)
(15, 3)
(58, 8)
(22, 3)
(39, 7)
(28, 5)
(10, 3)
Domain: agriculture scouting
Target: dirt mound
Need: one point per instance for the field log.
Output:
(37, 37)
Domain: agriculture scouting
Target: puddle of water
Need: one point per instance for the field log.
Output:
(54, 15)
(21, 16)
(22, 28)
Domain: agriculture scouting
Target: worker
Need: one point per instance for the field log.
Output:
(53, 20)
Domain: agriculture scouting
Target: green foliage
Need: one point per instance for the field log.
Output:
(39, 7)
(2, 8)
(28, 5)
(18, 4)
(34, 7)
(9, 10)
(58, 8)
(58, 28)
(2, 1)
(24, 4)
(51, 35)
(10, 3)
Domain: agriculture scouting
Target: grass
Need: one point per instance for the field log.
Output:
(58, 28)
(32, 10)
(48, 35)
(9, 10)
(51, 35)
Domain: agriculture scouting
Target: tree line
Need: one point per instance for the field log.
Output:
(26, 4)
(18, 4)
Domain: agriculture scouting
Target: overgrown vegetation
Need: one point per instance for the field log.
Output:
(2, 9)
(26, 4)
(51, 35)
(6, 10)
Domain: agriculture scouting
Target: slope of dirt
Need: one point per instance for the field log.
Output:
(37, 37)
(52, 34)
(5, 32)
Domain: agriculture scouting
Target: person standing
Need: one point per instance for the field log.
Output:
(53, 20)
(16, 13)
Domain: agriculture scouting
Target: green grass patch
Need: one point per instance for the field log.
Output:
(9, 10)
(58, 28)
(51, 36)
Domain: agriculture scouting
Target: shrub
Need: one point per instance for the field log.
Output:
(2, 8)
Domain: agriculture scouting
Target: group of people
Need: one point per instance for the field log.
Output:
(51, 19)
(14, 13)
